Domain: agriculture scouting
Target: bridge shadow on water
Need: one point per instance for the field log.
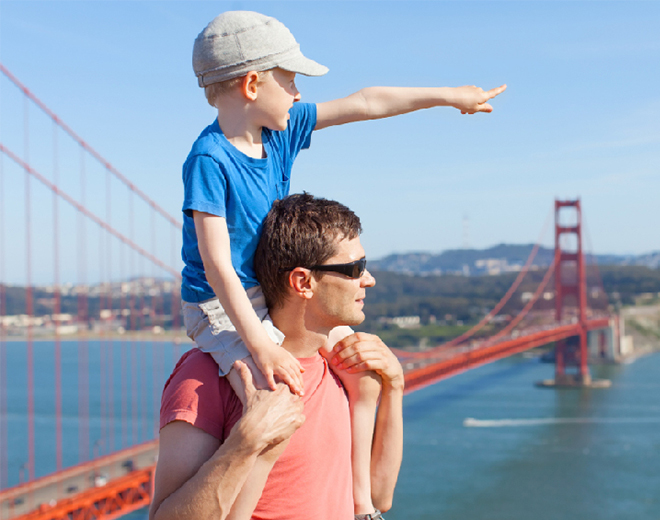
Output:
(439, 395)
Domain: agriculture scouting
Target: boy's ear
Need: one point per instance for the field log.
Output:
(249, 85)
(300, 280)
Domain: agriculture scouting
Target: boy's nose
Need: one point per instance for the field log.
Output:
(296, 97)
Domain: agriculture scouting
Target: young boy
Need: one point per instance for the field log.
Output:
(237, 168)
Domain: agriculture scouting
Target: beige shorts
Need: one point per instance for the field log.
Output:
(208, 325)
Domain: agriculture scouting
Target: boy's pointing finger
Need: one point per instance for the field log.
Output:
(495, 91)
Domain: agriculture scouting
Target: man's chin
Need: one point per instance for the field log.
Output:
(355, 320)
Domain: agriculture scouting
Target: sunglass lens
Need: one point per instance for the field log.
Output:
(359, 267)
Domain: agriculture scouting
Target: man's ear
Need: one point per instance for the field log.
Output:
(249, 85)
(300, 280)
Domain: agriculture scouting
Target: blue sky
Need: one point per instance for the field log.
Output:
(580, 116)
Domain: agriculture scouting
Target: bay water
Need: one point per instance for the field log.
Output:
(486, 444)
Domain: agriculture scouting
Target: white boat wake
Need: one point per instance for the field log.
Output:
(470, 422)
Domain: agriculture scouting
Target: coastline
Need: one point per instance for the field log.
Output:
(177, 337)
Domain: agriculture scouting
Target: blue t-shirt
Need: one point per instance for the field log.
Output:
(221, 180)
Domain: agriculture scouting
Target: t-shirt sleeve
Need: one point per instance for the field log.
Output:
(195, 394)
(302, 120)
(204, 186)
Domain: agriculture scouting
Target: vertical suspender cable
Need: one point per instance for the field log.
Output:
(156, 302)
(57, 312)
(83, 376)
(111, 378)
(133, 287)
(28, 305)
(174, 302)
(143, 364)
(122, 347)
(3, 353)
(102, 344)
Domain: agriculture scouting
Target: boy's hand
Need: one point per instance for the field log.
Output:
(274, 361)
(471, 99)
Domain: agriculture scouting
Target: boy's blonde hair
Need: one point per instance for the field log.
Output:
(217, 89)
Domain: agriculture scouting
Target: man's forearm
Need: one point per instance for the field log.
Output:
(387, 450)
(212, 491)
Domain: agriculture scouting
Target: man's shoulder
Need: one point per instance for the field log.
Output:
(197, 365)
(195, 393)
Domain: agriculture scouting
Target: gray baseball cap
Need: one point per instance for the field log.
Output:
(237, 42)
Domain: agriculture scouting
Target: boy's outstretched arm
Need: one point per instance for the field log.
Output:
(381, 102)
(214, 248)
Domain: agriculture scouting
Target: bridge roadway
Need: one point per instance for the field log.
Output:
(112, 485)
(444, 363)
(116, 484)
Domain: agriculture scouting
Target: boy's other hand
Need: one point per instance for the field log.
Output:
(275, 362)
(471, 99)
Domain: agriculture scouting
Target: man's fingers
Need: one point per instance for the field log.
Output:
(359, 358)
(485, 108)
(245, 374)
(348, 341)
(246, 377)
(351, 345)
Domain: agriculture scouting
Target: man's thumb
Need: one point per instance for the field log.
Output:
(246, 376)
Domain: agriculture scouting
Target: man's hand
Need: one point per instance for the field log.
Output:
(274, 361)
(360, 351)
(471, 99)
(269, 417)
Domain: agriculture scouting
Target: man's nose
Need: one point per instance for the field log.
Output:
(366, 280)
(296, 96)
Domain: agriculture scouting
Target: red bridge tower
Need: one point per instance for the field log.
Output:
(570, 282)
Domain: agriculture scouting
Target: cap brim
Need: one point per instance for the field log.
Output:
(304, 66)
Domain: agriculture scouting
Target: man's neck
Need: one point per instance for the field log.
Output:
(301, 340)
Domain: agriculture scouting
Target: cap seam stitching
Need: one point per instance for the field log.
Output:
(236, 31)
(248, 61)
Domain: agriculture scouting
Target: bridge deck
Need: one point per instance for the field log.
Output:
(46, 493)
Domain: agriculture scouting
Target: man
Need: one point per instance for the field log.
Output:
(313, 273)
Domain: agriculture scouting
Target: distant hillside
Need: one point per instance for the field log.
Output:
(498, 259)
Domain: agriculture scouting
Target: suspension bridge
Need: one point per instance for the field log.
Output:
(83, 357)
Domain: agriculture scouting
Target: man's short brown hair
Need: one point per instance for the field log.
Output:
(299, 231)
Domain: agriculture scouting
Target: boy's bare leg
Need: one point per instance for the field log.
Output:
(248, 497)
(363, 390)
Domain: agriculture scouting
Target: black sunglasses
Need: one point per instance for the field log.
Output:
(352, 269)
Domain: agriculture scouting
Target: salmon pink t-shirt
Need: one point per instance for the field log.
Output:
(312, 478)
